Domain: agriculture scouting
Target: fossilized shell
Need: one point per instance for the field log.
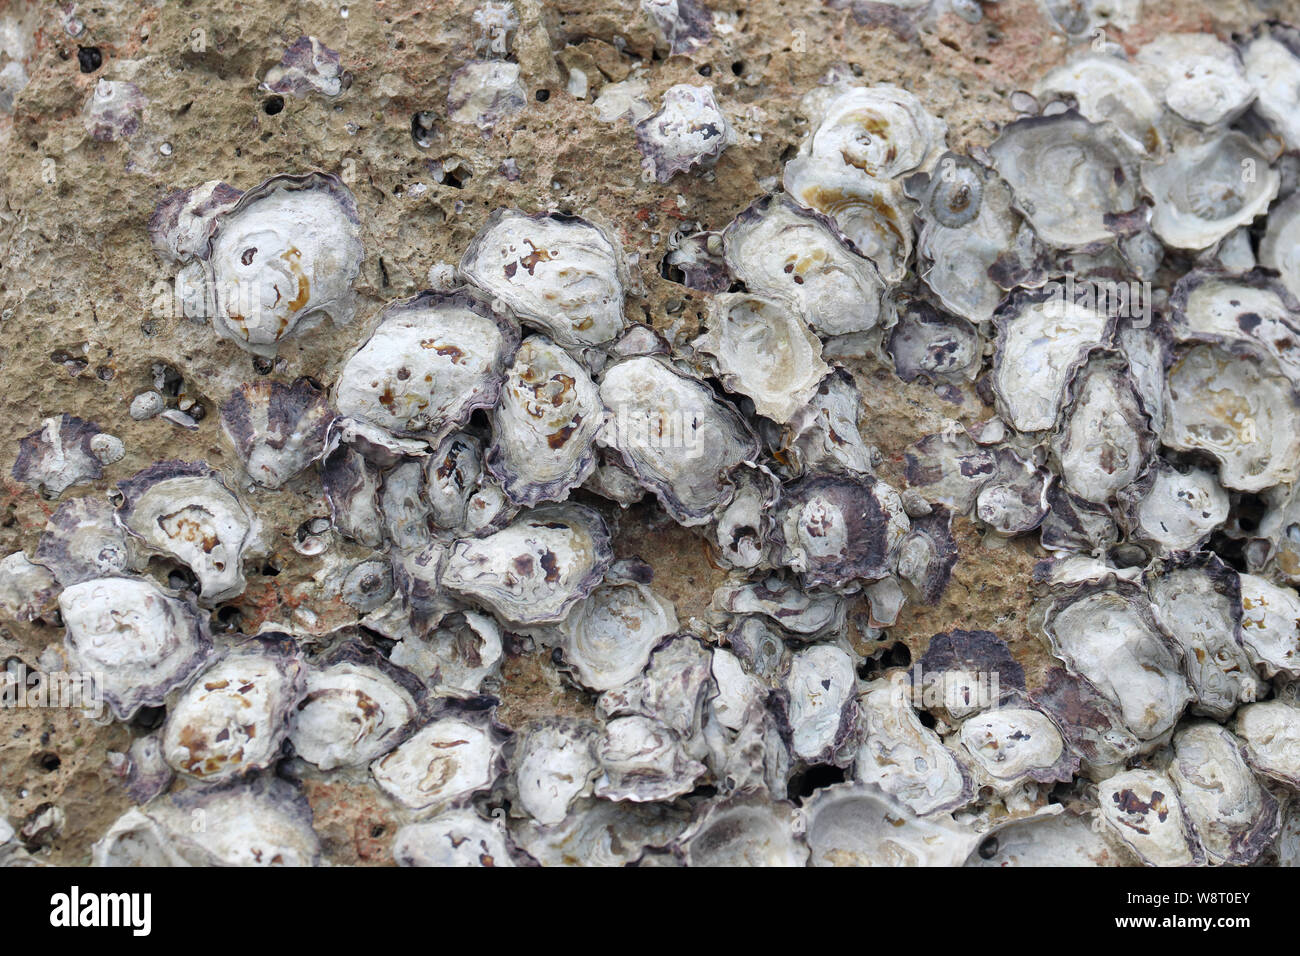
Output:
(1199, 604)
(1043, 339)
(180, 226)
(454, 838)
(545, 424)
(234, 715)
(1015, 743)
(1234, 817)
(484, 92)
(262, 822)
(675, 435)
(114, 110)
(688, 130)
(1174, 508)
(745, 830)
(685, 25)
(763, 350)
(784, 252)
(1105, 439)
(819, 688)
(602, 833)
(743, 530)
(1075, 525)
(357, 706)
(136, 641)
(185, 509)
(59, 454)
(643, 760)
(460, 655)
(882, 131)
(825, 436)
(432, 360)
(835, 529)
(672, 689)
(927, 343)
(608, 638)
(1090, 722)
(554, 764)
(1241, 313)
(1048, 839)
(859, 825)
(351, 487)
(1270, 731)
(1250, 423)
(1109, 634)
(405, 511)
(1108, 89)
(561, 274)
(534, 570)
(1142, 808)
(963, 672)
(1203, 192)
(1014, 500)
(1270, 625)
(1072, 179)
(277, 430)
(928, 554)
(798, 610)
(283, 257)
(82, 541)
(949, 467)
(1201, 78)
(454, 756)
(1273, 69)
(27, 590)
(1280, 247)
(696, 262)
(308, 66)
(903, 757)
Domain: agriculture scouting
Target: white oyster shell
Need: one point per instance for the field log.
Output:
(234, 715)
(781, 251)
(1048, 839)
(643, 760)
(1108, 89)
(284, 256)
(745, 831)
(277, 430)
(536, 568)
(137, 641)
(689, 130)
(858, 825)
(764, 351)
(456, 838)
(448, 759)
(1270, 625)
(1176, 509)
(1270, 731)
(1201, 78)
(432, 360)
(561, 274)
(820, 686)
(1014, 744)
(608, 638)
(184, 509)
(555, 763)
(545, 424)
(1280, 247)
(1142, 808)
(1273, 69)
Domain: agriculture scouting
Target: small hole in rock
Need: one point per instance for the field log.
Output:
(48, 761)
(272, 105)
(542, 95)
(89, 58)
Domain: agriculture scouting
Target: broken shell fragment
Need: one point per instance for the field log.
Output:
(114, 110)
(562, 274)
(859, 825)
(184, 509)
(277, 430)
(308, 66)
(59, 454)
(180, 226)
(688, 130)
(138, 642)
(484, 92)
(535, 569)
(82, 541)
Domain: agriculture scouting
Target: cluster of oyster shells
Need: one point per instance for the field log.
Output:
(479, 444)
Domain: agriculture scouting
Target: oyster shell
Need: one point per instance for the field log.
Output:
(1108, 89)
(675, 435)
(535, 569)
(1013, 744)
(555, 763)
(1072, 179)
(836, 529)
(1270, 733)
(643, 760)
(1280, 247)
(783, 252)
(763, 351)
(1270, 626)
(27, 590)
(185, 509)
(82, 541)
(1091, 724)
(608, 639)
(562, 274)
(1234, 817)
(858, 825)
(825, 436)
(1109, 634)
(819, 691)
(351, 487)
(929, 344)
(745, 830)
(357, 706)
(1201, 78)
(688, 130)
(137, 641)
(1048, 839)
(234, 716)
(1173, 508)
(454, 838)
(61, 453)
(1203, 192)
(544, 426)
(179, 227)
(430, 363)
(455, 755)
(1273, 69)
(1142, 808)
(283, 257)
(603, 833)
(484, 92)
(460, 655)
(277, 430)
